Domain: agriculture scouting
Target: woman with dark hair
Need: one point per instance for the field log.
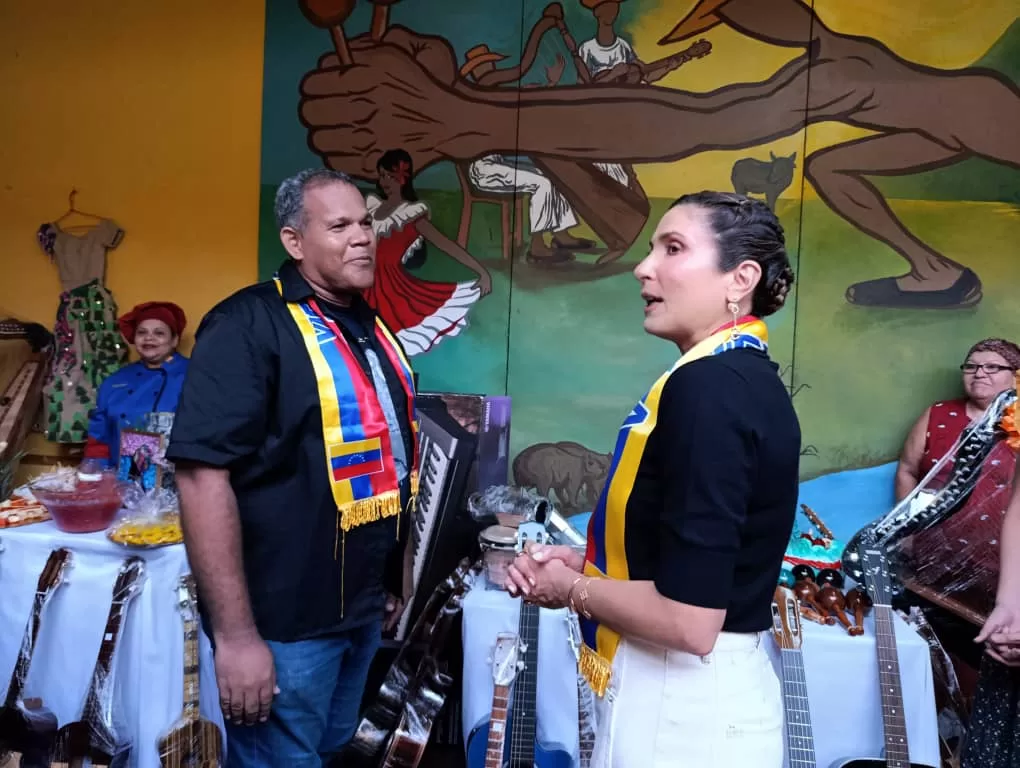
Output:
(420, 312)
(686, 542)
(987, 370)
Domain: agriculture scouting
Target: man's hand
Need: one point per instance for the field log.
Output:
(394, 610)
(246, 678)
(398, 94)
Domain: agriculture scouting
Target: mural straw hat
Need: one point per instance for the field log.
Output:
(477, 56)
(702, 17)
(593, 4)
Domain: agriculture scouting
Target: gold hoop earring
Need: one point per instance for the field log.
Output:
(734, 309)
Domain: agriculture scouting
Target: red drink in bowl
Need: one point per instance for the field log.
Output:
(88, 503)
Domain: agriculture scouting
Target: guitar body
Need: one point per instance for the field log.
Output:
(409, 740)
(381, 718)
(79, 744)
(544, 758)
(29, 732)
(195, 744)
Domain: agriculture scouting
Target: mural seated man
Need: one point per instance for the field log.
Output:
(955, 563)
(151, 385)
(548, 209)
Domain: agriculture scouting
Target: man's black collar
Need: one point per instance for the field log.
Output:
(296, 289)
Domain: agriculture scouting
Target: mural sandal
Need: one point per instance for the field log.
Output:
(576, 244)
(553, 258)
(884, 292)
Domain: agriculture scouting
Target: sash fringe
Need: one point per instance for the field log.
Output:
(596, 670)
(370, 510)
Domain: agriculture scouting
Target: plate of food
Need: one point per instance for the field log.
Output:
(148, 531)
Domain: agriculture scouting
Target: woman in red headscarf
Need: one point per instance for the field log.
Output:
(151, 385)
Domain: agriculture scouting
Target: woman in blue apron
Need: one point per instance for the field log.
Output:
(150, 386)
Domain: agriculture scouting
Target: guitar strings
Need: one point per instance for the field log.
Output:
(799, 732)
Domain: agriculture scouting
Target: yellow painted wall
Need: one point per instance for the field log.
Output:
(152, 111)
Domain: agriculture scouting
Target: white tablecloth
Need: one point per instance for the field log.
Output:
(841, 671)
(149, 666)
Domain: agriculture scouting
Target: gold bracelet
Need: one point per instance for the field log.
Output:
(583, 596)
(570, 594)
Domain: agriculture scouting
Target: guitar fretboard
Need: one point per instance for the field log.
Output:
(99, 701)
(523, 717)
(897, 751)
(497, 727)
(800, 742)
(25, 654)
(191, 689)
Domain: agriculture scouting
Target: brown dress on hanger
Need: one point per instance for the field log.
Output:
(88, 345)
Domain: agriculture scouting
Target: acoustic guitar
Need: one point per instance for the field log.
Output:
(522, 748)
(504, 670)
(632, 72)
(786, 631)
(193, 742)
(426, 697)
(585, 697)
(26, 727)
(894, 723)
(93, 740)
(383, 713)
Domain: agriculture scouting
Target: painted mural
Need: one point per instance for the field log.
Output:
(516, 155)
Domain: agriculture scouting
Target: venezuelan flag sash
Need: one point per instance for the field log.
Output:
(359, 457)
(606, 554)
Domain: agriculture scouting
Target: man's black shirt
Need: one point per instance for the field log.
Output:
(250, 404)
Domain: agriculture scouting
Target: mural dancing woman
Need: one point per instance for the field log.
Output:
(685, 544)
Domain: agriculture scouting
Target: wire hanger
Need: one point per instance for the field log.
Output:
(71, 210)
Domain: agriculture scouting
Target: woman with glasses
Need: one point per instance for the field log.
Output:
(988, 370)
(957, 560)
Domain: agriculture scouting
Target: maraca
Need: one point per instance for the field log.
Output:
(331, 14)
(832, 599)
(381, 17)
(830, 576)
(801, 571)
(857, 600)
(806, 591)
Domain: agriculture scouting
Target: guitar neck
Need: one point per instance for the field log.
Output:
(522, 750)
(897, 751)
(666, 61)
(99, 700)
(800, 740)
(27, 649)
(497, 726)
(190, 711)
(585, 722)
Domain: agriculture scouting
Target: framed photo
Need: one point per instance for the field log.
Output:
(141, 458)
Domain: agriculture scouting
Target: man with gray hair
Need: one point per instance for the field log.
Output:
(296, 465)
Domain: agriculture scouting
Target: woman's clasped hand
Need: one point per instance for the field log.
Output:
(544, 574)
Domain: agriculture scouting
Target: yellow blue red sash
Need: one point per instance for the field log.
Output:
(359, 457)
(606, 554)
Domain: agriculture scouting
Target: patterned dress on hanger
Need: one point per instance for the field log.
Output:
(88, 345)
(421, 313)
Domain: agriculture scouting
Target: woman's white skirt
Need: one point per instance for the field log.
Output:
(670, 708)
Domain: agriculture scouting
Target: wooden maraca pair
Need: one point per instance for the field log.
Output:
(821, 598)
(331, 15)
